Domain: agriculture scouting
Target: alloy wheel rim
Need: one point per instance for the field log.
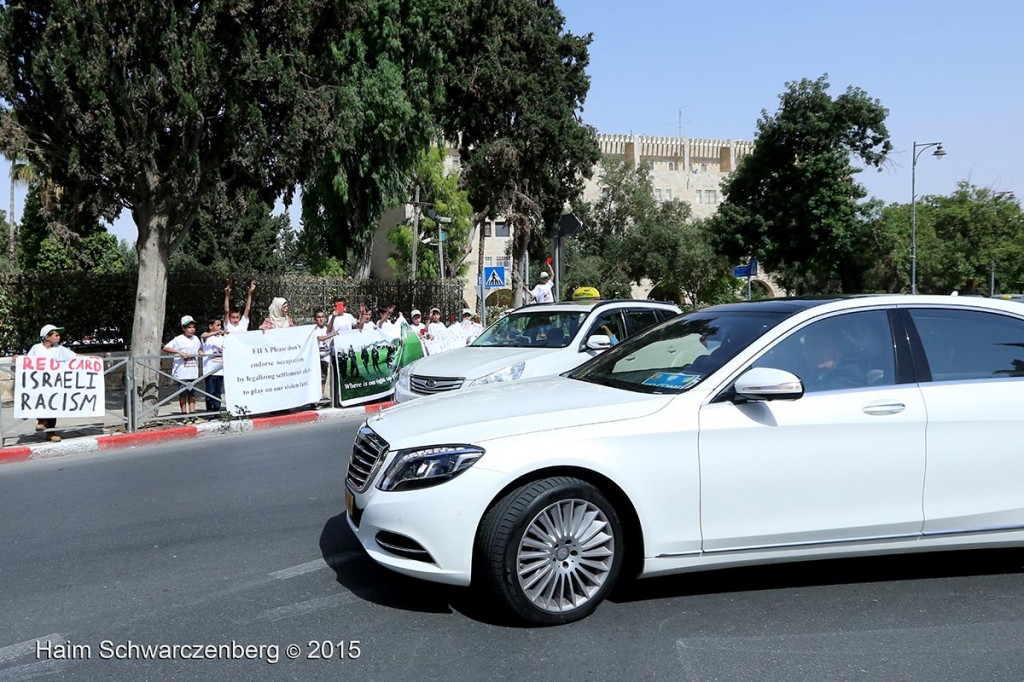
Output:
(565, 555)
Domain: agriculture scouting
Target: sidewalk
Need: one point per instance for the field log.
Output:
(80, 442)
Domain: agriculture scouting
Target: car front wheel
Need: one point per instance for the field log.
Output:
(550, 551)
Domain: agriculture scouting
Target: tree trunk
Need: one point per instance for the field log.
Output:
(13, 233)
(521, 239)
(154, 251)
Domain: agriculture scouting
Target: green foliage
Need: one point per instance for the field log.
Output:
(516, 85)
(238, 234)
(442, 190)
(793, 201)
(387, 65)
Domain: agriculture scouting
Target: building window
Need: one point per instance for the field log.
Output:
(657, 194)
(703, 168)
(456, 161)
(604, 193)
(668, 194)
(488, 261)
(709, 196)
(504, 261)
(671, 165)
(501, 230)
(698, 197)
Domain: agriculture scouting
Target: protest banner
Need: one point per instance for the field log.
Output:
(45, 387)
(269, 370)
(367, 363)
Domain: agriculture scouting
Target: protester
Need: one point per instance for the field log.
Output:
(436, 328)
(324, 337)
(49, 347)
(365, 320)
(277, 316)
(542, 292)
(237, 320)
(213, 363)
(416, 323)
(341, 321)
(187, 348)
(467, 318)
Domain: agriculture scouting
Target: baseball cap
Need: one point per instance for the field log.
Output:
(466, 311)
(49, 328)
(415, 312)
(187, 320)
(544, 275)
(435, 310)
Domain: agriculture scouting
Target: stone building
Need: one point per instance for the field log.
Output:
(690, 169)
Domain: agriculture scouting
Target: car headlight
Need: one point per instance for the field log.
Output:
(424, 467)
(403, 377)
(507, 374)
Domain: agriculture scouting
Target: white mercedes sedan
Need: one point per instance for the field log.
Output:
(782, 430)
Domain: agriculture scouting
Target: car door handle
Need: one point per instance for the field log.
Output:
(884, 408)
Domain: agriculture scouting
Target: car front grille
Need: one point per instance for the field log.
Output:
(431, 385)
(368, 453)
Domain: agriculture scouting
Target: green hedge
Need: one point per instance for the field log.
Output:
(82, 301)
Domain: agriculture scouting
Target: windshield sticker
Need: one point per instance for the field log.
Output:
(666, 380)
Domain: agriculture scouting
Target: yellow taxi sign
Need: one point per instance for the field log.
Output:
(582, 293)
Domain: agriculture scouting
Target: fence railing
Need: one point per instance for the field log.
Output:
(129, 407)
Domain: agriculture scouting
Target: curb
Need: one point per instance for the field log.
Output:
(74, 446)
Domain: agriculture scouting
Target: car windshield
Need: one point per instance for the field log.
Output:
(535, 328)
(675, 356)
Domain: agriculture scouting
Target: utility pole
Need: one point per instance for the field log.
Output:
(415, 228)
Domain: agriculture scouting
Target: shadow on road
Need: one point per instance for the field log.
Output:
(362, 576)
(897, 567)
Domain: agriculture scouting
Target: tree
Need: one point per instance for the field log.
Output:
(438, 190)
(152, 106)
(793, 201)
(516, 84)
(390, 80)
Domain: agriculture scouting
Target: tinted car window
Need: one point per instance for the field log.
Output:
(609, 324)
(677, 355)
(965, 344)
(845, 351)
(638, 320)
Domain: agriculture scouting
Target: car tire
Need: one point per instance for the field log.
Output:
(550, 551)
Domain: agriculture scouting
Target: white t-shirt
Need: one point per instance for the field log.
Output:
(182, 368)
(436, 329)
(418, 328)
(213, 346)
(325, 345)
(542, 292)
(58, 353)
(342, 323)
(242, 326)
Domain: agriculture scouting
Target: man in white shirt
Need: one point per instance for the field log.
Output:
(542, 292)
(49, 347)
(341, 321)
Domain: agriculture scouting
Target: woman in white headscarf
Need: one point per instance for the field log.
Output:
(277, 316)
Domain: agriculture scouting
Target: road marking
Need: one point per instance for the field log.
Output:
(304, 607)
(316, 565)
(9, 653)
(30, 670)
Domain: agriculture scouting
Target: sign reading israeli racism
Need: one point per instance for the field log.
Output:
(46, 387)
(271, 370)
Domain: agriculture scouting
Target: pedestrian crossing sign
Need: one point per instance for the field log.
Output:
(494, 277)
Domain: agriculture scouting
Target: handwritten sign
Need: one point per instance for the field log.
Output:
(46, 387)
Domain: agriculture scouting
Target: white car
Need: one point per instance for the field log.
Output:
(814, 429)
(536, 340)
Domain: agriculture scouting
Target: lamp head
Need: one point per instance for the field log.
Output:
(939, 152)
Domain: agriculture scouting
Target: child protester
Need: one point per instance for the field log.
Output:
(187, 348)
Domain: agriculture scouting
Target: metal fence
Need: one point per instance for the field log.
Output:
(126, 407)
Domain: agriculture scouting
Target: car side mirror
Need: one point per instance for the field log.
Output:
(599, 342)
(768, 383)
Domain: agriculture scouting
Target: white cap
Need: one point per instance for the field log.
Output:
(49, 328)
(544, 275)
(187, 320)
(415, 312)
(467, 311)
(435, 310)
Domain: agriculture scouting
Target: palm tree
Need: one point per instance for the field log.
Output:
(23, 173)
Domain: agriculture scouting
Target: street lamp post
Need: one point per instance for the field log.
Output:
(938, 153)
(992, 273)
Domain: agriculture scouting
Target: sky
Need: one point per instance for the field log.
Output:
(949, 71)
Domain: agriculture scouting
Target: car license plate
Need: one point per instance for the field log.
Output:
(350, 501)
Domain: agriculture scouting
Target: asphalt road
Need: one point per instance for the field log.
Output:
(241, 541)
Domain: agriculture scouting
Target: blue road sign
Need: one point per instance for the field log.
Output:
(494, 277)
(741, 271)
